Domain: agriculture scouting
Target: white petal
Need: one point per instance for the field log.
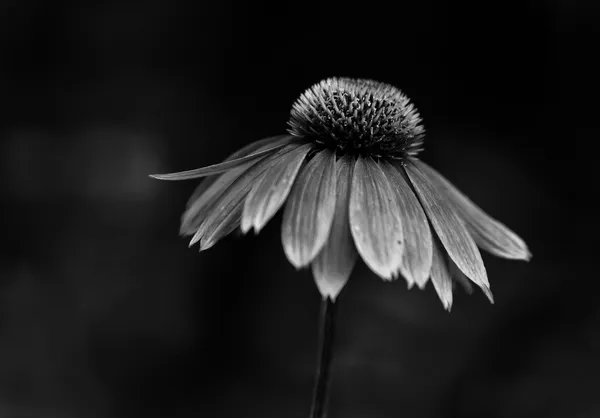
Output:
(228, 207)
(460, 278)
(374, 219)
(198, 209)
(226, 165)
(267, 196)
(440, 275)
(259, 145)
(449, 227)
(417, 255)
(488, 233)
(333, 265)
(211, 188)
(309, 210)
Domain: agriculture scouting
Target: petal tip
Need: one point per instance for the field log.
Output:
(259, 224)
(444, 294)
(294, 259)
(246, 225)
(386, 277)
(420, 278)
(329, 290)
(391, 275)
(168, 176)
(205, 245)
(488, 293)
(522, 254)
(161, 176)
(194, 239)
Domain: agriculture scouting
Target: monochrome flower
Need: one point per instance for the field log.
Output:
(350, 184)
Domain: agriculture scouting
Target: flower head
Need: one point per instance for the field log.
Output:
(352, 186)
(358, 116)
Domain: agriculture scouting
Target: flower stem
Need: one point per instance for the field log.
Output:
(326, 341)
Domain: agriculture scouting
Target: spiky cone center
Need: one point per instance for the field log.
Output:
(357, 116)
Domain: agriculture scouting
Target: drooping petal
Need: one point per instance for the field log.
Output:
(227, 208)
(375, 219)
(210, 188)
(242, 152)
(226, 227)
(440, 275)
(460, 278)
(267, 195)
(488, 233)
(197, 210)
(417, 255)
(333, 265)
(449, 227)
(309, 211)
(226, 165)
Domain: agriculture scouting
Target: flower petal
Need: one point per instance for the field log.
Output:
(197, 210)
(227, 208)
(488, 233)
(375, 219)
(417, 254)
(259, 145)
(226, 227)
(440, 275)
(267, 196)
(226, 165)
(449, 227)
(460, 278)
(211, 188)
(333, 265)
(309, 211)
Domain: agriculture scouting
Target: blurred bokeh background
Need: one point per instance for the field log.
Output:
(105, 312)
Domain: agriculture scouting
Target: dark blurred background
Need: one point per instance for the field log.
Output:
(105, 312)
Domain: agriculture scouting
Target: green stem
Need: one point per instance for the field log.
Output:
(326, 342)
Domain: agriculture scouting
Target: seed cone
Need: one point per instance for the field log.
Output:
(358, 116)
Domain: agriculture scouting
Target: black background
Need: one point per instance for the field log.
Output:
(105, 312)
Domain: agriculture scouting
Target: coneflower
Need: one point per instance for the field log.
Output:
(352, 185)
